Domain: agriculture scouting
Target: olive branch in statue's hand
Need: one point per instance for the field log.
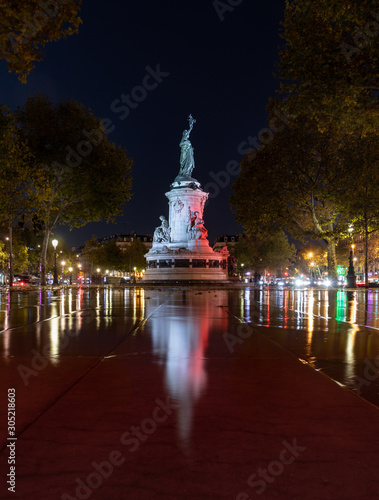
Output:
(191, 121)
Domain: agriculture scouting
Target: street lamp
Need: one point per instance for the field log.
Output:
(55, 244)
(70, 269)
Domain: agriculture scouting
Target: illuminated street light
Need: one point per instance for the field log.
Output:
(70, 269)
(55, 244)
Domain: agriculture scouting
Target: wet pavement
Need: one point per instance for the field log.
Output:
(186, 393)
(336, 331)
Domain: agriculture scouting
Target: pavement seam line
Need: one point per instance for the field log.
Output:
(88, 370)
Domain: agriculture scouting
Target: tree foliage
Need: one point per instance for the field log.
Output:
(273, 252)
(276, 253)
(15, 169)
(15, 177)
(135, 255)
(26, 27)
(329, 62)
(294, 183)
(79, 176)
(110, 256)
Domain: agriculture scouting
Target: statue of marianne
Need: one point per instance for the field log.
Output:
(187, 160)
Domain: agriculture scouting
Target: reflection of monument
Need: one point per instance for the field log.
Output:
(180, 248)
(180, 343)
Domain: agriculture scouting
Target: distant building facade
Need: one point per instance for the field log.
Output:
(223, 240)
(125, 240)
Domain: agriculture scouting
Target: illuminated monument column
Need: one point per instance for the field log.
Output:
(180, 248)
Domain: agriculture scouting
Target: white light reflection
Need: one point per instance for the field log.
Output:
(98, 309)
(310, 323)
(138, 304)
(181, 342)
(349, 354)
(246, 314)
(54, 339)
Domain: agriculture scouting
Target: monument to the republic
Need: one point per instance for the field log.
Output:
(181, 250)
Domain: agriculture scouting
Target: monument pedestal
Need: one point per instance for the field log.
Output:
(186, 254)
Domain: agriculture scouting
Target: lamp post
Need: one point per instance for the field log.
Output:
(351, 278)
(70, 269)
(55, 244)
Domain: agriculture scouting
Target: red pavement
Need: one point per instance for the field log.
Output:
(166, 411)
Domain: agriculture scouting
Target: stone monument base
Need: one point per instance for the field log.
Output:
(208, 266)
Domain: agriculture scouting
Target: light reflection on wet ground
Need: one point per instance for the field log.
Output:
(336, 331)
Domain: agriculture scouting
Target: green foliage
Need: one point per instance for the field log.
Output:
(15, 170)
(272, 252)
(330, 61)
(20, 258)
(295, 183)
(26, 26)
(3, 256)
(290, 183)
(110, 256)
(360, 195)
(276, 252)
(134, 256)
(78, 175)
(246, 251)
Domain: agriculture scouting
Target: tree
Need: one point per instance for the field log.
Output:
(293, 183)
(276, 253)
(79, 176)
(26, 26)
(361, 192)
(15, 177)
(312, 256)
(329, 62)
(106, 255)
(272, 252)
(330, 72)
(3, 257)
(246, 251)
(93, 252)
(112, 256)
(21, 260)
(134, 256)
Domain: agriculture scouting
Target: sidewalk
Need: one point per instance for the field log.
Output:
(171, 413)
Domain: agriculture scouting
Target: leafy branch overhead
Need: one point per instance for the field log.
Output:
(329, 63)
(26, 27)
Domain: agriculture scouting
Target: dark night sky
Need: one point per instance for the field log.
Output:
(220, 71)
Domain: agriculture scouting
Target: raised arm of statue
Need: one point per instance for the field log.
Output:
(187, 160)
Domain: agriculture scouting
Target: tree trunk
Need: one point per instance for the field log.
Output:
(332, 262)
(10, 255)
(45, 244)
(366, 252)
